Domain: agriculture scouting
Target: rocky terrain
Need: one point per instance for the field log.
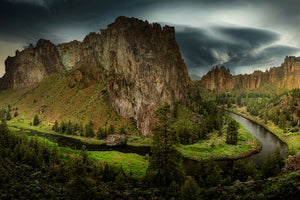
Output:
(139, 63)
(286, 76)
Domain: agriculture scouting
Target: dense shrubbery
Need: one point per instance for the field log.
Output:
(212, 119)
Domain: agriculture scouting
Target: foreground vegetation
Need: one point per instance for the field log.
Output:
(64, 173)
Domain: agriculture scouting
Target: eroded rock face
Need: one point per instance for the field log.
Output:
(145, 69)
(139, 62)
(286, 76)
(31, 65)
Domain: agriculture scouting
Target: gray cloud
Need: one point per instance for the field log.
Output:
(232, 47)
(235, 45)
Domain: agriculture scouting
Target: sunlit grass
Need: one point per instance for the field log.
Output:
(217, 148)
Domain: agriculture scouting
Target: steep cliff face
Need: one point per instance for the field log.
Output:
(145, 69)
(286, 76)
(31, 65)
(139, 62)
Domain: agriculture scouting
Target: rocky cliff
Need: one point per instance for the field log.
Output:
(286, 76)
(140, 64)
(31, 65)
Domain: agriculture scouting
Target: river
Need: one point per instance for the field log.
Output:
(269, 144)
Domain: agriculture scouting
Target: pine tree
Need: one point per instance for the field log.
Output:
(36, 120)
(101, 133)
(239, 171)
(16, 114)
(232, 133)
(55, 126)
(190, 190)
(165, 162)
(266, 116)
(89, 132)
(8, 116)
(111, 130)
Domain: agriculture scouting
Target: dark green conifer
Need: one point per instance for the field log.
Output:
(165, 162)
(36, 120)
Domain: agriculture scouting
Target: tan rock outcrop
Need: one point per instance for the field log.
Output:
(286, 76)
(31, 65)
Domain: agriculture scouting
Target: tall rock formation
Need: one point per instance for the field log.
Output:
(286, 76)
(31, 65)
(145, 69)
(139, 62)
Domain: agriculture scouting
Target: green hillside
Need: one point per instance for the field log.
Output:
(52, 99)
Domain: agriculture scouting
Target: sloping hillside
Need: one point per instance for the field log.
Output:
(53, 100)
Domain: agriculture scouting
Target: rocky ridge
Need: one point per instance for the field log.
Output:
(286, 76)
(140, 64)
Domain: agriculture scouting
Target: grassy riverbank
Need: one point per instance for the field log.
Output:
(291, 139)
(217, 148)
(133, 164)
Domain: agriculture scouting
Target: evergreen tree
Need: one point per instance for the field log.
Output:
(89, 131)
(266, 116)
(36, 120)
(165, 162)
(212, 173)
(8, 116)
(111, 130)
(101, 133)
(190, 190)
(69, 129)
(277, 161)
(121, 180)
(266, 167)
(232, 132)
(16, 114)
(62, 127)
(55, 126)
(239, 171)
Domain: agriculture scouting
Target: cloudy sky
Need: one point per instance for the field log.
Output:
(241, 35)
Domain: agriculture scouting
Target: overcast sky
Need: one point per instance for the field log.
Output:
(241, 35)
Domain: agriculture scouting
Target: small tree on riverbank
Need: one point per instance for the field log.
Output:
(232, 132)
(36, 120)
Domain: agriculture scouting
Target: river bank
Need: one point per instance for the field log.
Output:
(214, 147)
(291, 139)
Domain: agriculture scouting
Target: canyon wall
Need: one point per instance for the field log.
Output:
(286, 76)
(140, 63)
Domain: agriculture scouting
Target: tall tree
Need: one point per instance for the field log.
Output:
(36, 120)
(165, 161)
(232, 132)
(89, 132)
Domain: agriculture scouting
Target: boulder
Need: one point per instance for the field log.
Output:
(116, 140)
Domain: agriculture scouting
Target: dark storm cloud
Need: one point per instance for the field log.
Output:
(230, 46)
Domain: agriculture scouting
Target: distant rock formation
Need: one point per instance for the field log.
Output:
(286, 76)
(31, 65)
(139, 62)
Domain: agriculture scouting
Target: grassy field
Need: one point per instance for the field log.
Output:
(16, 125)
(131, 163)
(292, 139)
(217, 148)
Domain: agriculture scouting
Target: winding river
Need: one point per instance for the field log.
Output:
(269, 144)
